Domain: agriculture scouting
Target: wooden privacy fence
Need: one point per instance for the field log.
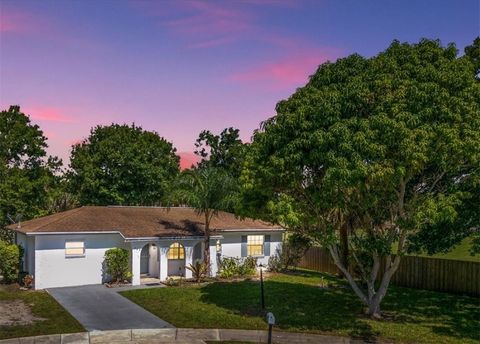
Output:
(454, 276)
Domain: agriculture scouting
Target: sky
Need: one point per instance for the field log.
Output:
(179, 67)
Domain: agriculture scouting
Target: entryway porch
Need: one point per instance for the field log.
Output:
(154, 261)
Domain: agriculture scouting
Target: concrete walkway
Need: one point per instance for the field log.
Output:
(100, 308)
(181, 336)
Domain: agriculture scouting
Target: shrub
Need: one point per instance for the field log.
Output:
(248, 267)
(199, 270)
(290, 254)
(174, 282)
(9, 261)
(231, 267)
(116, 260)
(228, 267)
(275, 261)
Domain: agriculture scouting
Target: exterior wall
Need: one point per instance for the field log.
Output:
(46, 260)
(53, 269)
(232, 244)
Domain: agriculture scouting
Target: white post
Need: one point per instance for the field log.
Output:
(136, 253)
(188, 260)
(213, 258)
(163, 263)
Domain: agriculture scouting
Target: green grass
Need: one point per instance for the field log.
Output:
(299, 304)
(58, 320)
(459, 252)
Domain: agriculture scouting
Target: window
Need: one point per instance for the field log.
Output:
(176, 251)
(255, 245)
(74, 249)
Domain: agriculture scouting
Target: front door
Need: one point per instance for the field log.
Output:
(144, 258)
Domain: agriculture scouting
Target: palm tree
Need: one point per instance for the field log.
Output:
(208, 190)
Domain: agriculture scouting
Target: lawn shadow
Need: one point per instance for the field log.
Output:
(309, 307)
(447, 314)
(335, 309)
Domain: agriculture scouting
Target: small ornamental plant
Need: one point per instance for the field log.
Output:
(27, 281)
(116, 260)
(199, 270)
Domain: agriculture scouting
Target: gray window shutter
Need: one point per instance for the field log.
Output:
(266, 245)
(244, 245)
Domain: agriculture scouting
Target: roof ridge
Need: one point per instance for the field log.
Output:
(66, 214)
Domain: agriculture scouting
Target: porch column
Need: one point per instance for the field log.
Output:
(136, 253)
(188, 260)
(213, 258)
(163, 263)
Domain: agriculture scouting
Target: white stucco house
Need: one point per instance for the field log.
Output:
(68, 248)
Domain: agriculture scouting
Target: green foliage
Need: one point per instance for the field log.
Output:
(386, 146)
(117, 264)
(199, 271)
(121, 164)
(228, 267)
(224, 151)
(472, 52)
(208, 190)
(9, 261)
(27, 174)
(290, 254)
(237, 267)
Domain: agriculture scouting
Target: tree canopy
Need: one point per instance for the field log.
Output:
(121, 164)
(27, 174)
(387, 147)
(226, 150)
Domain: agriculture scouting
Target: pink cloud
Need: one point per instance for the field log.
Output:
(205, 24)
(49, 134)
(187, 159)
(48, 114)
(210, 43)
(292, 70)
(208, 20)
(71, 143)
(20, 21)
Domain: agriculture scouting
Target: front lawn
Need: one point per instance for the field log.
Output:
(300, 302)
(49, 317)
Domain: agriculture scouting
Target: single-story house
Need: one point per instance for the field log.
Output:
(68, 248)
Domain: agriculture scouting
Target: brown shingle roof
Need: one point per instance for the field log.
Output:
(135, 222)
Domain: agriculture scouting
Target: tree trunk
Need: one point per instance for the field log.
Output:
(206, 244)
(344, 247)
(373, 298)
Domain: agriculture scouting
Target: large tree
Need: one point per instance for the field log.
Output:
(123, 165)
(226, 150)
(208, 190)
(387, 147)
(27, 175)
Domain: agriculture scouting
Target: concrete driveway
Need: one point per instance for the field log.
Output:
(100, 308)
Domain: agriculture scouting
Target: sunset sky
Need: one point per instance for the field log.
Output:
(178, 67)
